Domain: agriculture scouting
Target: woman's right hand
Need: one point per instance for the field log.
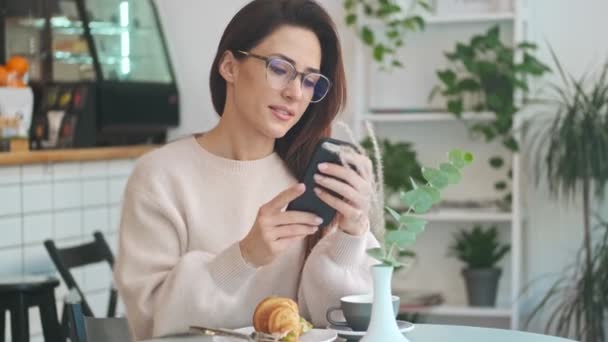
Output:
(274, 229)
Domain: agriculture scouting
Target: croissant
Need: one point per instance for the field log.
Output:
(280, 315)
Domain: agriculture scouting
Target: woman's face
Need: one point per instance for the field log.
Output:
(271, 111)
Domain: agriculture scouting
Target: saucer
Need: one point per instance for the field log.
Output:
(314, 335)
(350, 335)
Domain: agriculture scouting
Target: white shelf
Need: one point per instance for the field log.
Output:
(428, 117)
(472, 18)
(461, 311)
(468, 215)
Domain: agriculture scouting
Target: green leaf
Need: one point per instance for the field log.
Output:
(511, 144)
(433, 192)
(447, 76)
(436, 177)
(451, 172)
(397, 63)
(419, 200)
(414, 185)
(457, 158)
(376, 253)
(455, 106)
(497, 162)
(468, 84)
(379, 52)
(468, 158)
(400, 238)
(393, 213)
(500, 185)
(367, 35)
(351, 19)
(414, 224)
(349, 4)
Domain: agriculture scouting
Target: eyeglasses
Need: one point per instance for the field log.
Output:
(279, 73)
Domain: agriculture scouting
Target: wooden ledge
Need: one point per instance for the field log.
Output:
(71, 155)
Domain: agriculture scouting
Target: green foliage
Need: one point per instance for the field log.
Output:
(399, 162)
(393, 23)
(577, 138)
(578, 299)
(403, 233)
(485, 73)
(572, 153)
(478, 248)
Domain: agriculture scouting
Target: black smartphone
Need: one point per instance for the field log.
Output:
(326, 151)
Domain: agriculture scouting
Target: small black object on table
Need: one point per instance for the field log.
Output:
(20, 293)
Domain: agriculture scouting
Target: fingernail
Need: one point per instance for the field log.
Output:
(314, 229)
(317, 177)
(322, 166)
(301, 186)
(319, 220)
(317, 191)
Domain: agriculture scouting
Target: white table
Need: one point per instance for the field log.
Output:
(432, 333)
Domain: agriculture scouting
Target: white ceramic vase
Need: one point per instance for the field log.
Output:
(383, 324)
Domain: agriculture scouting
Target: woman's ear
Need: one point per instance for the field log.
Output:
(228, 67)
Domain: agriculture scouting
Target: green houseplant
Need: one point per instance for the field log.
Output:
(480, 250)
(383, 24)
(483, 76)
(572, 152)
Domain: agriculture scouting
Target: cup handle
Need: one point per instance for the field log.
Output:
(333, 322)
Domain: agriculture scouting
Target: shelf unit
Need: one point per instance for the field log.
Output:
(394, 117)
(397, 117)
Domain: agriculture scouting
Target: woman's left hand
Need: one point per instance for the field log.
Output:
(356, 188)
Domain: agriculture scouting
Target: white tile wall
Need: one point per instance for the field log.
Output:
(67, 195)
(11, 262)
(10, 231)
(68, 224)
(37, 228)
(66, 171)
(10, 175)
(36, 173)
(10, 200)
(95, 219)
(95, 192)
(37, 197)
(66, 202)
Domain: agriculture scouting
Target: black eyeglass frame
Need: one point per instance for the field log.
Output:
(296, 73)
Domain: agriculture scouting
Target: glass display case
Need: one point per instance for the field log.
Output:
(115, 49)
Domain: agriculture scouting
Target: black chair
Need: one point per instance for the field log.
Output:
(81, 255)
(21, 293)
(90, 329)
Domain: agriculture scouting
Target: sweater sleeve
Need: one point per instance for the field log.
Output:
(337, 266)
(164, 288)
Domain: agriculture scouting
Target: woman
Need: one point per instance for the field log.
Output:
(204, 235)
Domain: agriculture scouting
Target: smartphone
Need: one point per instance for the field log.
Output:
(326, 151)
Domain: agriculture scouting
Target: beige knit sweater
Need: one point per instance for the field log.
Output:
(179, 261)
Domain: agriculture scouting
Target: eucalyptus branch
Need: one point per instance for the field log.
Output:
(419, 200)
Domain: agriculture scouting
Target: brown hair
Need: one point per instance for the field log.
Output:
(249, 27)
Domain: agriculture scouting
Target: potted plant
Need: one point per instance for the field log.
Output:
(572, 153)
(483, 76)
(481, 251)
(398, 159)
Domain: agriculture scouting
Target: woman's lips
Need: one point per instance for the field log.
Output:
(281, 113)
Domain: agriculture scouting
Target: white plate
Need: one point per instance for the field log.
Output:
(347, 332)
(314, 335)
